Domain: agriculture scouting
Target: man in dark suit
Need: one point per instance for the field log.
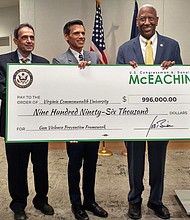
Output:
(80, 153)
(18, 153)
(166, 52)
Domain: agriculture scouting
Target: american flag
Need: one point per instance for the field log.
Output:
(98, 43)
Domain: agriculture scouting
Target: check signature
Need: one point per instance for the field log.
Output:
(161, 123)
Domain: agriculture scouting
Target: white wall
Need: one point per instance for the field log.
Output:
(177, 24)
(49, 16)
(9, 19)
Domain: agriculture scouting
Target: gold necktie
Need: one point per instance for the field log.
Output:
(24, 60)
(149, 53)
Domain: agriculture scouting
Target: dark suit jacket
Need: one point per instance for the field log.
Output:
(69, 58)
(11, 57)
(167, 49)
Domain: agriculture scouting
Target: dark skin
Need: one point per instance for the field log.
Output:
(146, 22)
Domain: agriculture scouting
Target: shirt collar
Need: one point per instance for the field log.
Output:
(76, 54)
(153, 39)
(20, 57)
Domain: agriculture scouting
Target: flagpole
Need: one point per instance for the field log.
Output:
(103, 151)
(98, 45)
(124, 152)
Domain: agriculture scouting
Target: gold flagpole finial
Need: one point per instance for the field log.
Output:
(98, 2)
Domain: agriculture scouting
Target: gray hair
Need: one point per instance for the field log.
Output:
(148, 6)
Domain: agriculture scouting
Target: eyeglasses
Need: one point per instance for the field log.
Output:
(150, 19)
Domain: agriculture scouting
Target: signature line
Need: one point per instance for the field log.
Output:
(151, 125)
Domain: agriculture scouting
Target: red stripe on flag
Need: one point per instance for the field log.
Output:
(97, 43)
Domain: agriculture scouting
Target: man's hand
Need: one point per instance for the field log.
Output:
(166, 64)
(83, 64)
(133, 63)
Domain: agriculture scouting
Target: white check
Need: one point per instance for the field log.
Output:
(101, 102)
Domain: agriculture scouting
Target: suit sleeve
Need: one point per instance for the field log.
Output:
(120, 58)
(97, 59)
(2, 81)
(178, 59)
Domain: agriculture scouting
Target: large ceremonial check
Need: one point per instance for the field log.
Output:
(100, 102)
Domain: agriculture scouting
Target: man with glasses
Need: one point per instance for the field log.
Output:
(148, 48)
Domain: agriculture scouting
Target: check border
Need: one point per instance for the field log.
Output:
(101, 102)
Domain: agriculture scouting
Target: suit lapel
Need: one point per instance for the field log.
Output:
(33, 59)
(71, 58)
(87, 56)
(137, 50)
(159, 51)
(14, 57)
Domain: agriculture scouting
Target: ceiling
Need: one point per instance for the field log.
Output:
(8, 3)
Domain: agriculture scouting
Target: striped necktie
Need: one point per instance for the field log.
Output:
(149, 53)
(24, 60)
(81, 58)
